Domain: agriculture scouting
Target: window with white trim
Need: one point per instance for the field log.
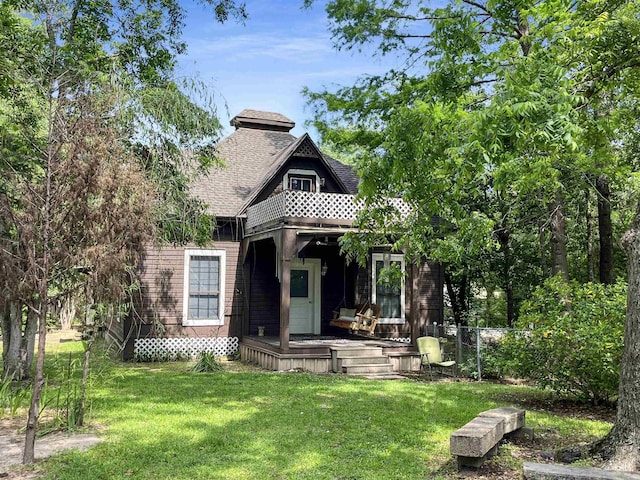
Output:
(389, 297)
(204, 277)
(299, 179)
(301, 183)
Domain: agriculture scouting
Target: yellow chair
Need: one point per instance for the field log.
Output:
(429, 348)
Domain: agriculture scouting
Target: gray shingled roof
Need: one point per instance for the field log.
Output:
(281, 160)
(249, 154)
(346, 173)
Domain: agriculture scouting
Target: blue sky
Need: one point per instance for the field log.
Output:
(265, 63)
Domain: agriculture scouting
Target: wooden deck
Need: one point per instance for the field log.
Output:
(313, 354)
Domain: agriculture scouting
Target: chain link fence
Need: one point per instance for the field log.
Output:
(475, 349)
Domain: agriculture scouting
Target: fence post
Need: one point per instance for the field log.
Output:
(435, 330)
(458, 345)
(478, 340)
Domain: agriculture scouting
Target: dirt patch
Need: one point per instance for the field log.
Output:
(12, 447)
(573, 408)
(566, 407)
(507, 465)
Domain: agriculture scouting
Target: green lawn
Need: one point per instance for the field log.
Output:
(163, 422)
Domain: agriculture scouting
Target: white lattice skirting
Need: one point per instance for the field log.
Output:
(149, 349)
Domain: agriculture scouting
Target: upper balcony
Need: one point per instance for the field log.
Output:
(309, 207)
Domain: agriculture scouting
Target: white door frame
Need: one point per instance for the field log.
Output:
(317, 300)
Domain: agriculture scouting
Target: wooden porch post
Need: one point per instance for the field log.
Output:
(416, 321)
(246, 287)
(287, 247)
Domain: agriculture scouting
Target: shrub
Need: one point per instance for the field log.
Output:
(207, 362)
(576, 338)
(491, 362)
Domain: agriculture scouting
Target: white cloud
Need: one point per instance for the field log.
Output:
(260, 45)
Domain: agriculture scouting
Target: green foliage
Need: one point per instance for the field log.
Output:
(575, 341)
(207, 362)
(491, 310)
(493, 110)
(123, 50)
(99, 143)
(13, 396)
(491, 362)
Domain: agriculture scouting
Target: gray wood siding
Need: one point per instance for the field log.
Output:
(158, 305)
(428, 292)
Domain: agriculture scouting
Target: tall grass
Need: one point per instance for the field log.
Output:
(13, 395)
(62, 398)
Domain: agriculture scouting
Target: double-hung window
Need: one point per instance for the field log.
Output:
(204, 276)
(389, 297)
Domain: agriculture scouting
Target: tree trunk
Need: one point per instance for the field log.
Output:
(83, 386)
(44, 264)
(29, 338)
(67, 311)
(458, 297)
(18, 345)
(559, 264)
(605, 230)
(38, 381)
(589, 234)
(622, 445)
(6, 332)
(13, 367)
(504, 238)
(11, 333)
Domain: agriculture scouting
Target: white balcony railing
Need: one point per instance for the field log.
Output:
(298, 204)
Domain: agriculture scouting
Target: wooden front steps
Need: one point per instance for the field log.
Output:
(362, 361)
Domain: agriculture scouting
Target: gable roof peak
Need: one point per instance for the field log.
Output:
(262, 120)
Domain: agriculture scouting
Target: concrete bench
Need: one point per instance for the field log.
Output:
(478, 440)
(543, 471)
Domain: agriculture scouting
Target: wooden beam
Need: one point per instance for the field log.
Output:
(248, 240)
(415, 317)
(287, 249)
(301, 243)
(277, 240)
(246, 296)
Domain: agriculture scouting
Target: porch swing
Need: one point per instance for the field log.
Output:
(363, 318)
